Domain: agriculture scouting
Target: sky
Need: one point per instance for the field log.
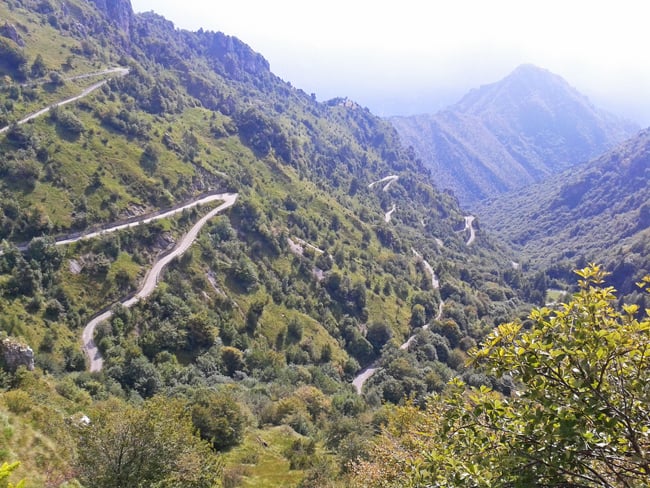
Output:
(415, 56)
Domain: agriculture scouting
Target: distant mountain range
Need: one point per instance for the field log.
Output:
(509, 134)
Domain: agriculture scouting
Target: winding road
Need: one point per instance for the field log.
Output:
(84, 93)
(469, 225)
(389, 180)
(153, 275)
(168, 213)
(366, 373)
(388, 214)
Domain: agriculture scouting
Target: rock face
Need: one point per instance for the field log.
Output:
(237, 59)
(9, 31)
(119, 12)
(13, 354)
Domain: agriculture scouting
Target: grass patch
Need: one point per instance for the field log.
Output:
(261, 454)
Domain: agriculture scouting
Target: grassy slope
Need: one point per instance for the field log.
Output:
(97, 176)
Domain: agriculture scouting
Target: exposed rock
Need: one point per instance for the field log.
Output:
(119, 12)
(236, 58)
(165, 241)
(9, 31)
(75, 267)
(13, 354)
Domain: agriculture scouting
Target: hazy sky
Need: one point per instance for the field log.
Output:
(414, 56)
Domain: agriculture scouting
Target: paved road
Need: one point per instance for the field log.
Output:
(85, 93)
(389, 180)
(435, 283)
(366, 373)
(153, 276)
(469, 225)
(389, 214)
(146, 220)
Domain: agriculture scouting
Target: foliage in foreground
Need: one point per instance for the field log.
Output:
(5, 471)
(150, 445)
(579, 415)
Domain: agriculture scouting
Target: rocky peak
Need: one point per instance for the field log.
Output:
(236, 57)
(119, 12)
(13, 354)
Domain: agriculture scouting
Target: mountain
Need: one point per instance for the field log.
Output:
(597, 211)
(321, 247)
(511, 133)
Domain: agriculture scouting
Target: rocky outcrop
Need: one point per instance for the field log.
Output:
(119, 12)
(9, 31)
(236, 58)
(13, 354)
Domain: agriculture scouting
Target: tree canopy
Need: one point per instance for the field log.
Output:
(577, 416)
(150, 445)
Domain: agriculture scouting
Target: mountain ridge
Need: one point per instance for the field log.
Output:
(596, 211)
(532, 122)
(278, 303)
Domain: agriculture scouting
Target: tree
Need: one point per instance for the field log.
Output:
(39, 68)
(378, 335)
(149, 445)
(218, 418)
(233, 359)
(150, 157)
(579, 415)
(418, 316)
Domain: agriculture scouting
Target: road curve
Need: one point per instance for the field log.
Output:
(435, 282)
(389, 180)
(168, 213)
(366, 373)
(84, 93)
(469, 225)
(389, 214)
(153, 275)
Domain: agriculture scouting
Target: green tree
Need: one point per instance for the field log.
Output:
(149, 445)
(39, 68)
(418, 316)
(218, 418)
(150, 157)
(378, 334)
(233, 359)
(579, 415)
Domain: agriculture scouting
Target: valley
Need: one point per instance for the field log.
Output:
(228, 282)
(152, 276)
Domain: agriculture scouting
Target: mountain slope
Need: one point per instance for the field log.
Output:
(511, 133)
(598, 211)
(279, 302)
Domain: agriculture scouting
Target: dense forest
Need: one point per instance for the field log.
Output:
(334, 287)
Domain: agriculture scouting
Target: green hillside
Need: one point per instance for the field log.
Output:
(255, 334)
(597, 212)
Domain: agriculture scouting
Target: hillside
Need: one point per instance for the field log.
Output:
(511, 133)
(598, 211)
(332, 248)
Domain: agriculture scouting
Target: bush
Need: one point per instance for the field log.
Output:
(70, 123)
(218, 418)
(18, 401)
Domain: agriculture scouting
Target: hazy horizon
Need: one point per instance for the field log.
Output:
(421, 58)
